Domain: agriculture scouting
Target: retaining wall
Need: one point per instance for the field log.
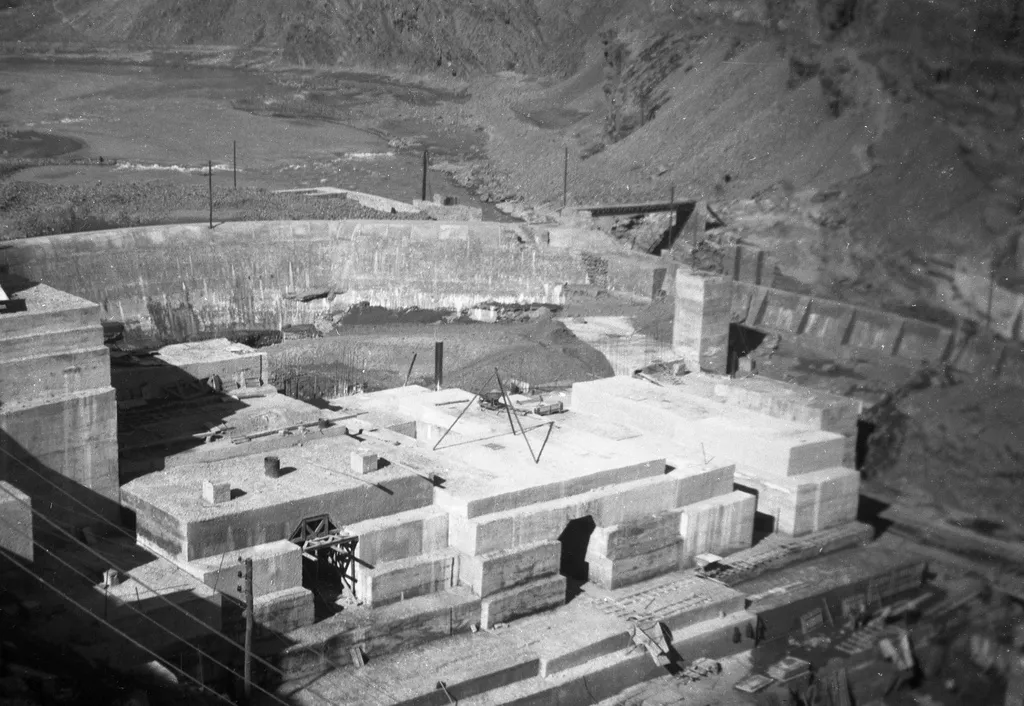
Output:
(842, 330)
(178, 281)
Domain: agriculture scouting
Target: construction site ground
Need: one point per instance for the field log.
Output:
(857, 159)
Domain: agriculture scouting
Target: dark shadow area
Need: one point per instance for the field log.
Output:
(164, 410)
(65, 503)
(668, 239)
(575, 539)
(764, 524)
(324, 580)
(869, 511)
(742, 342)
(60, 593)
(54, 672)
(864, 431)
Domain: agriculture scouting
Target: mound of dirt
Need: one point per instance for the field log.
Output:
(545, 354)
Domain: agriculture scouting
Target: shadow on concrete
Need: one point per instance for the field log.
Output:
(163, 411)
(869, 511)
(65, 503)
(671, 234)
(60, 594)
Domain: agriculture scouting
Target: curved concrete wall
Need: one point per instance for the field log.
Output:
(177, 281)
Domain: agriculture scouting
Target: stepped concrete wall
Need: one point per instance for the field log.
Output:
(178, 281)
(58, 416)
(842, 330)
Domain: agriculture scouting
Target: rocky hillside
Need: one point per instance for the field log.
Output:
(477, 35)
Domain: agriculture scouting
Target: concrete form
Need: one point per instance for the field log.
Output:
(234, 365)
(794, 469)
(700, 332)
(471, 512)
(58, 420)
(459, 522)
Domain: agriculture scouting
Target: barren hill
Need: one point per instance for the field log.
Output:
(489, 35)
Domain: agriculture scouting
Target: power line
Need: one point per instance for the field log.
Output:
(190, 616)
(142, 647)
(174, 606)
(137, 610)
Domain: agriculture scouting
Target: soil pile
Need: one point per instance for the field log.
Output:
(542, 353)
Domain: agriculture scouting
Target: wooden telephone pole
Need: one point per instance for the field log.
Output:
(246, 588)
(209, 165)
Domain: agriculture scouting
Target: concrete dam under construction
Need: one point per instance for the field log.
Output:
(510, 543)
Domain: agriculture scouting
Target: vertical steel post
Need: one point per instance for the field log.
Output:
(991, 291)
(672, 205)
(234, 163)
(210, 171)
(249, 617)
(438, 364)
(565, 178)
(423, 191)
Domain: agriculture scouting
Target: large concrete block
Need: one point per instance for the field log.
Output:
(569, 636)
(546, 521)
(400, 536)
(702, 483)
(716, 638)
(276, 566)
(720, 432)
(701, 324)
(44, 374)
(640, 536)
(779, 450)
(615, 573)
(159, 592)
(284, 611)
(720, 526)
(407, 578)
(73, 435)
(806, 503)
(173, 521)
(790, 402)
(399, 626)
(16, 522)
(496, 571)
(522, 600)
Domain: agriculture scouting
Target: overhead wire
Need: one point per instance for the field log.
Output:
(167, 630)
(171, 604)
(120, 632)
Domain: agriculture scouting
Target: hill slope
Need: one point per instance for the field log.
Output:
(488, 35)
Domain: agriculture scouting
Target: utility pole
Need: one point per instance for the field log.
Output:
(672, 205)
(565, 178)
(991, 291)
(438, 364)
(234, 163)
(210, 172)
(423, 191)
(246, 588)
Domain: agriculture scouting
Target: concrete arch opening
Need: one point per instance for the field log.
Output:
(575, 539)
